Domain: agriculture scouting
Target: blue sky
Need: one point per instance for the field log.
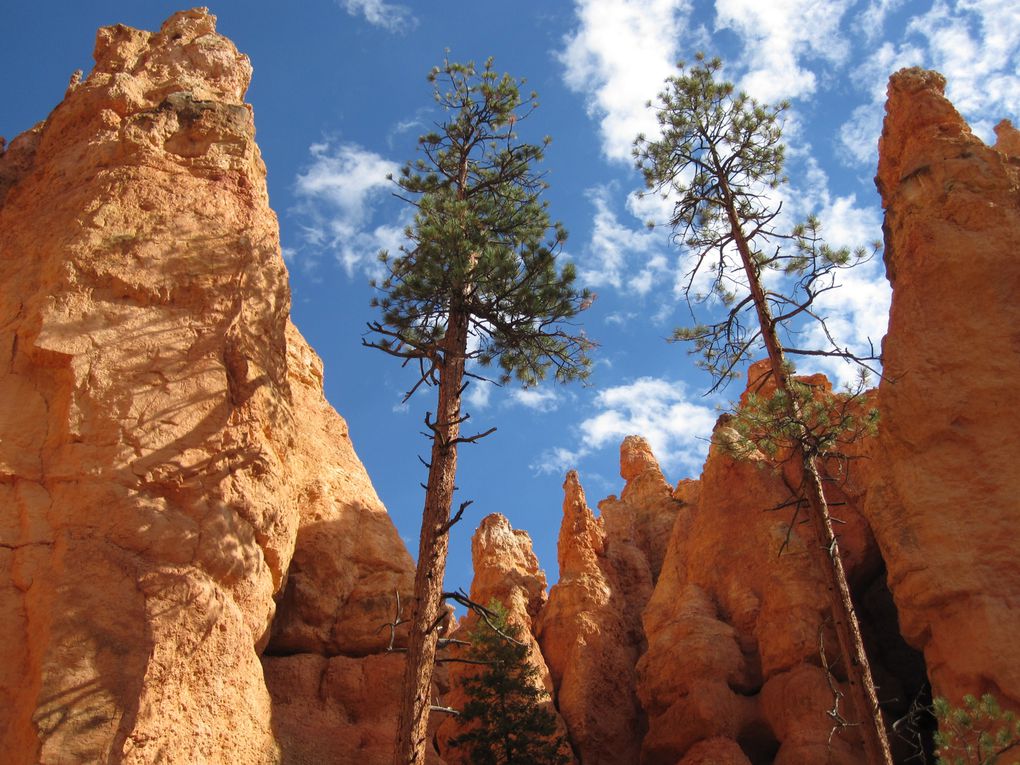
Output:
(340, 97)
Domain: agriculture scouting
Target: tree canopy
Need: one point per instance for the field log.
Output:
(719, 160)
(482, 242)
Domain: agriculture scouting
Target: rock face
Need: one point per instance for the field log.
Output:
(164, 442)
(734, 624)
(505, 570)
(334, 690)
(944, 505)
(590, 630)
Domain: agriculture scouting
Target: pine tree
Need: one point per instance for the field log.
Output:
(719, 158)
(507, 724)
(477, 281)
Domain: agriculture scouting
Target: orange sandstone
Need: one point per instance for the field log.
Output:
(164, 442)
(944, 504)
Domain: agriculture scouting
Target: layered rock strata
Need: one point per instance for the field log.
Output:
(944, 503)
(164, 442)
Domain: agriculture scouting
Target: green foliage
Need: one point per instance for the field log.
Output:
(718, 159)
(978, 733)
(822, 423)
(508, 724)
(482, 243)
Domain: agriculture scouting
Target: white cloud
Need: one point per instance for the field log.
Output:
(539, 399)
(858, 136)
(341, 191)
(677, 429)
(871, 20)
(394, 18)
(478, 394)
(621, 318)
(614, 246)
(777, 36)
(347, 177)
(974, 43)
(558, 460)
(618, 57)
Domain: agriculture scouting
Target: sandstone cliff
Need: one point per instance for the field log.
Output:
(166, 451)
(944, 504)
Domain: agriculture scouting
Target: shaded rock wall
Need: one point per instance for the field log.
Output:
(164, 441)
(944, 504)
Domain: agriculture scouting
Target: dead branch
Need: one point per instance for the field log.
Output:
(838, 721)
(475, 438)
(444, 710)
(397, 621)
(483, 613)
(456, 516)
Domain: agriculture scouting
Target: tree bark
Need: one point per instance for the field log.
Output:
(825, 553)
(412, 728)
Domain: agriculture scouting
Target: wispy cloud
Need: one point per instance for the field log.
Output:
(626, 257)
(478, 395)
(389, 16)
(538, 399)
(618, 57)
(340, 192)
(976, 45)
(676, 427)
(869, 23)
(858, 136)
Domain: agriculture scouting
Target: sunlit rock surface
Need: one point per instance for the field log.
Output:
(164, 441)
(944, 504)
(506, 571)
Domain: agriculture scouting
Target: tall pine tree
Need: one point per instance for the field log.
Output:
(477, 281)
(507, 724)
(720, 159)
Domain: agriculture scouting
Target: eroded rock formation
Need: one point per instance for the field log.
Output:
(505, 570)
(730, 664)
(194, 566)
(165, 441)
(590, 630)
(944, 505)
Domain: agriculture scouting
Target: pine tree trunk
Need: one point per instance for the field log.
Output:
(825, 553)
(412, 729)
